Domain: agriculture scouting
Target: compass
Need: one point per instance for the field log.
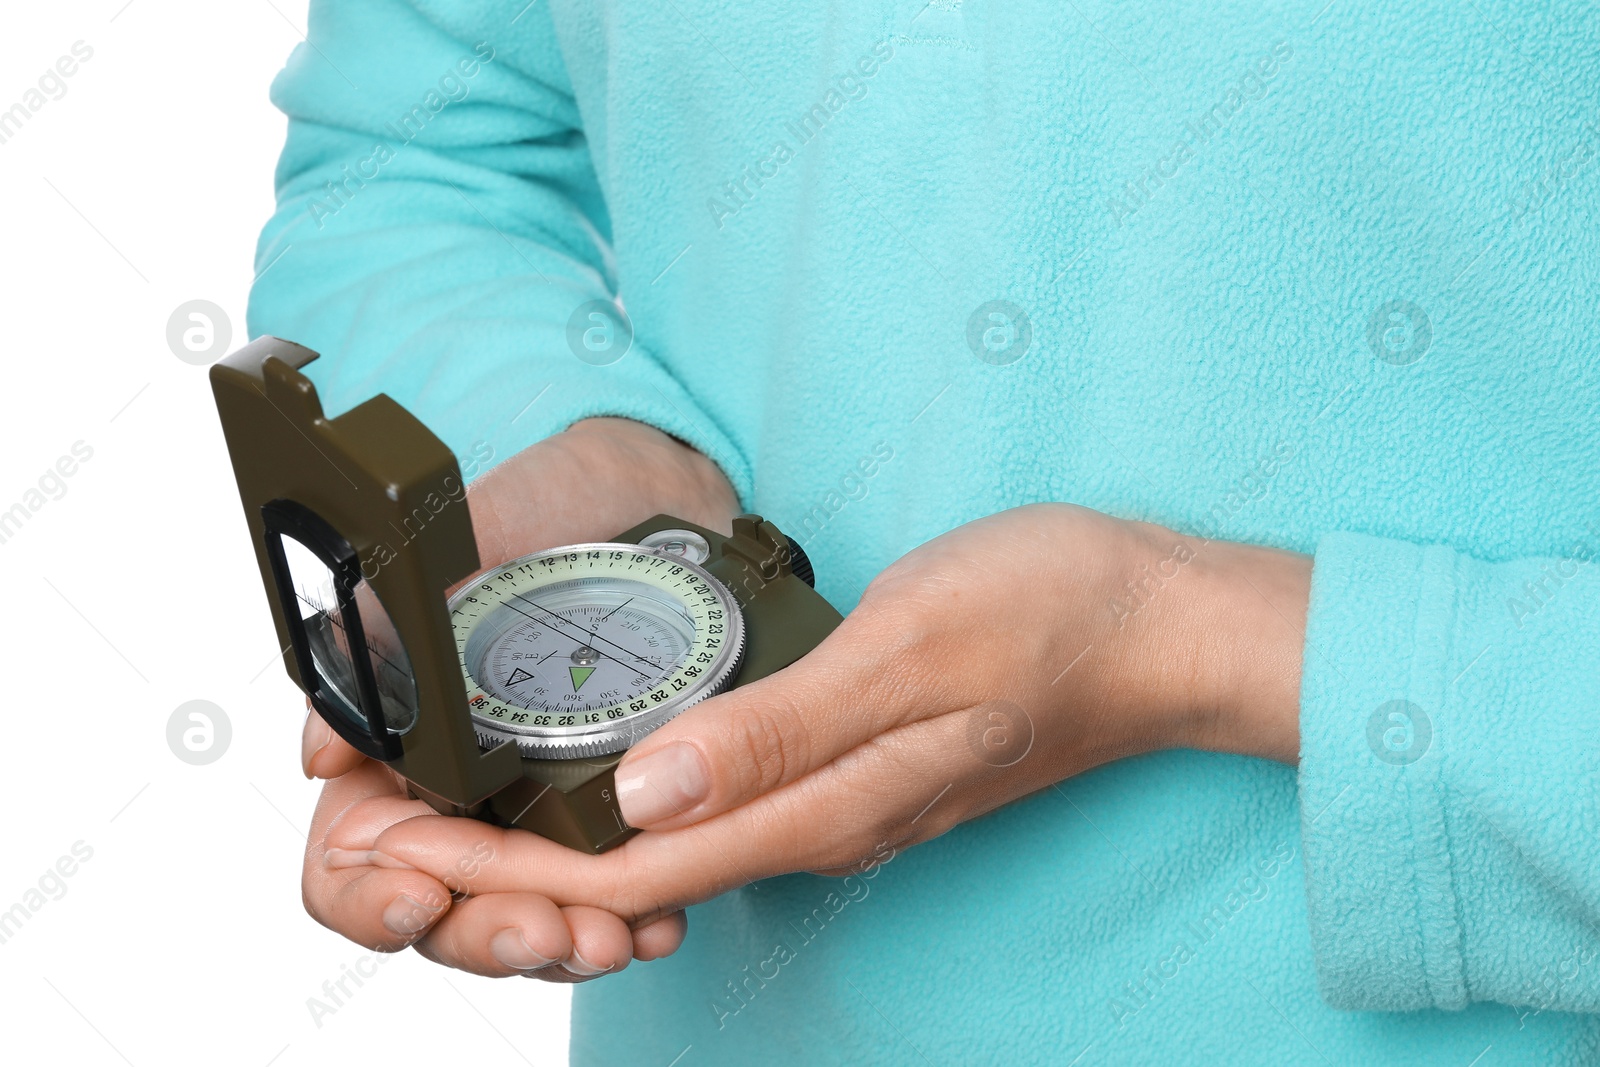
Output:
(579, 651)
(513, 698)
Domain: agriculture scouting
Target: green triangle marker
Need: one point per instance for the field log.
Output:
(579, 676)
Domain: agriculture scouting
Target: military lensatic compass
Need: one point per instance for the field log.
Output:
(514, 700)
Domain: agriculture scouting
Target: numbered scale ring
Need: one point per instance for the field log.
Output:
(583, 650)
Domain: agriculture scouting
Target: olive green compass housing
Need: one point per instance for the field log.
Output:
(360, 528)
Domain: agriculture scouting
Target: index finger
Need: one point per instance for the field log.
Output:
(662, 871)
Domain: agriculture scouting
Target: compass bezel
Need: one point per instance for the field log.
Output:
(607, 736)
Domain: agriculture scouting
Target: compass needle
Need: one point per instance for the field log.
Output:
(579, 651)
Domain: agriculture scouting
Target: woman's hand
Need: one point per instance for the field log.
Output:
(996, 660)
(599, 477)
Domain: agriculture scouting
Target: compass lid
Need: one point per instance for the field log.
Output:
(360, 525)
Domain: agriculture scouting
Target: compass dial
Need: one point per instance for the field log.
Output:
(582, 650)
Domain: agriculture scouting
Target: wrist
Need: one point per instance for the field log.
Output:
(590, 482)
(653, 472)
(1246, 618)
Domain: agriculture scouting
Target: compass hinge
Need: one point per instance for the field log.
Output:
(759, 544)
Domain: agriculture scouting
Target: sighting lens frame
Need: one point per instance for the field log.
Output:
(289, 518)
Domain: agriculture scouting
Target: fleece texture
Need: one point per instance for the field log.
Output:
(1316, 276)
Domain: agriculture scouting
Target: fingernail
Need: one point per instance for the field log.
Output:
(340, 858)
(664, 783)
(582, 967)
(314, 739)
(406, 917)
(511, 949)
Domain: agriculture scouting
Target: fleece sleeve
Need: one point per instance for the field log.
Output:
(1450, 799)
(440, 234)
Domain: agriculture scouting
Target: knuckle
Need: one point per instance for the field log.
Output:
(635, 889)
(771, 744)
(468, 868)
(844, 849)
(905, 627)
(839, 856)
(843, 857)
(925, 623)
(622, 895)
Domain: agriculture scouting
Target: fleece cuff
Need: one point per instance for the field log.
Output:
(1383, 905)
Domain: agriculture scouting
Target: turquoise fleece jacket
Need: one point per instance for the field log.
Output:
(1320, 277)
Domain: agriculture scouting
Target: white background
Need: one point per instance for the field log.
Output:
(182, 940)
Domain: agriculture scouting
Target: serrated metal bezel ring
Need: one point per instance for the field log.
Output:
(605, 738)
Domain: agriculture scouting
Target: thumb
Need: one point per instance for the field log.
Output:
(733, 748)
(323, 753)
